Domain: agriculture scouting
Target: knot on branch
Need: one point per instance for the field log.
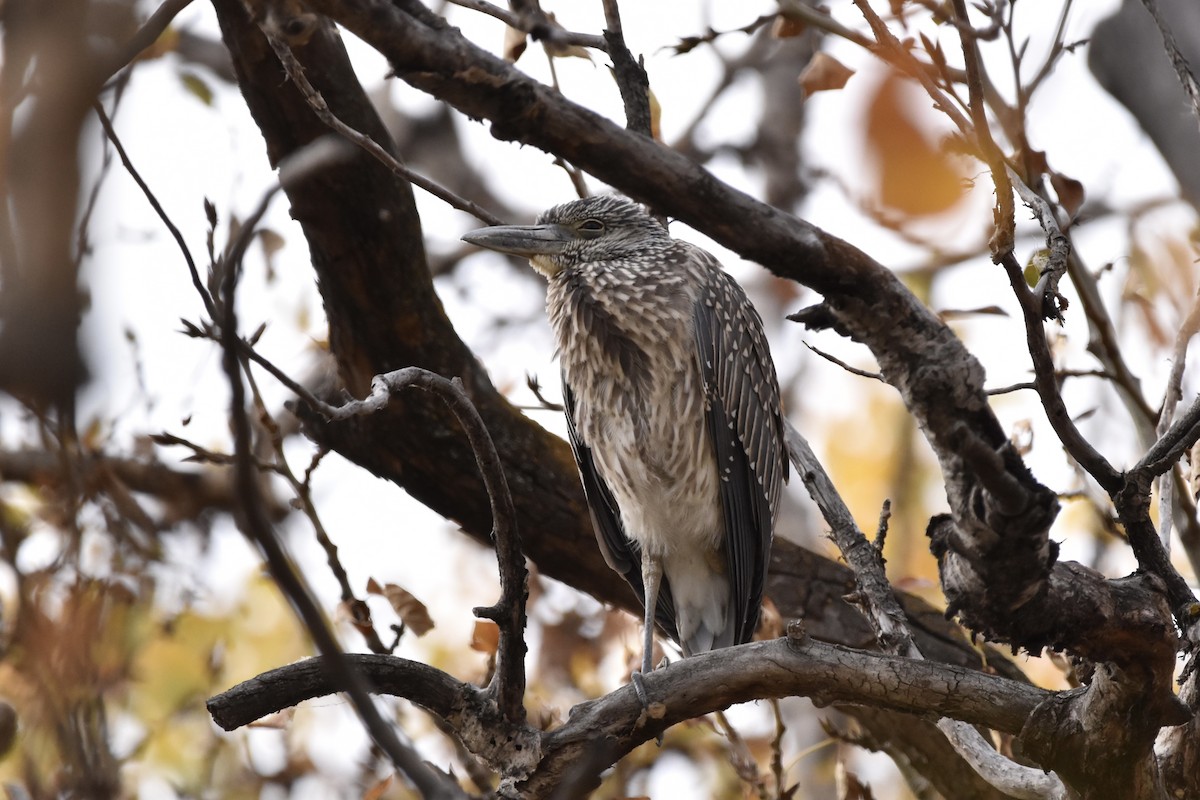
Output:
(1103, 733)
(819, 318)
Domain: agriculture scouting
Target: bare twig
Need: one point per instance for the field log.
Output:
(1047, 386)
(852, 370)
(1057, 48)
(259, 530)
(777, 769)
(631, 76)
(1005, 217)
(111, 133)
(508, 681)
(891, 50)
(1171, 397)
(359, 611)
(1058, 375)
(317, 103)
(537, 25)
(876, 597)
(689, 43)
(878, 601)
(1170, 447)
(145, 36)
(802, 12)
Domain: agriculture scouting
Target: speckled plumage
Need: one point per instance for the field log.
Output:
(673, 411)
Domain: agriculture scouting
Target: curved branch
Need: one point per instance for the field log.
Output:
(534, 761)
(508, 681)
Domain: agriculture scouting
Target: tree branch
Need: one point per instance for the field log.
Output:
(533, 761)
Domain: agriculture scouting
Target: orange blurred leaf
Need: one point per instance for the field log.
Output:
(915, 176)
(785, 27)
(377, 791)
(485, 637)
(824, 73)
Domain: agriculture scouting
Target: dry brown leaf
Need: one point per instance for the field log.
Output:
(785, 27)
(824, 73)
(1070, 193)
(514, 44)
(559, 50)
(411, 611)
(485, 636)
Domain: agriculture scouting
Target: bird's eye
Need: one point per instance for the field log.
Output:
(591, 227)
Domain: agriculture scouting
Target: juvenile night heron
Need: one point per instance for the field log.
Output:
(672, 409)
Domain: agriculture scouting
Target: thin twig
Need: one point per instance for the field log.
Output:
(878, 601)
(853, 370)
(1058, 375)
(1004, 235)
(689, 43)
(809, 15)
(259, 530)
(631, 77)
(111, 133)
(1057, 48)
(1170, 447)
(317, 103)
(359, 611)
(1171, 397)
(777, 769)
(1047, 386)
(144, 37)
(508, 681)
(892, 51)
(537, 25)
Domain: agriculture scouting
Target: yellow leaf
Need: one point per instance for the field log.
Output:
(197, 87)
(655, 114)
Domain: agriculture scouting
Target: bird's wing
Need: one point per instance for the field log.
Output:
(622, 554)
(742, 409)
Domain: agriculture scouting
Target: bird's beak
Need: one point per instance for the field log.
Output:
(538, 243)
(521, 240)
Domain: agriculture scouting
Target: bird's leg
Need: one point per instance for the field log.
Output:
(651, 579)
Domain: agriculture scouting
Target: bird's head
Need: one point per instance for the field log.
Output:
(595, 229)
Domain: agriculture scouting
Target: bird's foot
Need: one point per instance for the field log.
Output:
(650, 710)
